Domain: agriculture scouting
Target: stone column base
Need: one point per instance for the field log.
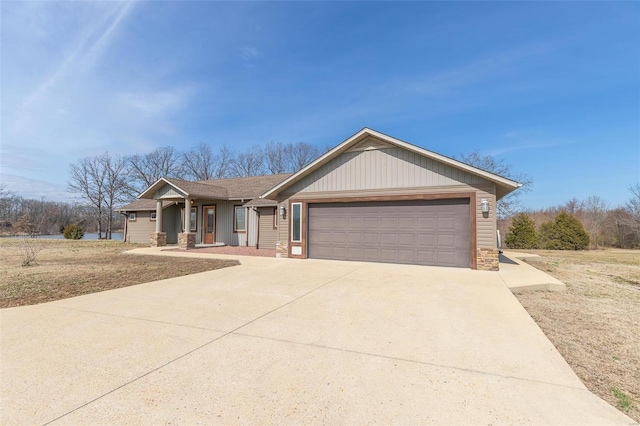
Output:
(187, 240)
(487, 259)
(158, 239)
(282, 249)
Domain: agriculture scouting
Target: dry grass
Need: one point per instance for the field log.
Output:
(66, 268)
(596, 324)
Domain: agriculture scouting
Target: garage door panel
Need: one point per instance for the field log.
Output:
(388, 255)
(323, 238)
(429, 232)
(427, 257)
(339, 238)
(407, 223)
(388, 239)
(426, 223)
(407, 240)
(354, 238)
(371, 222)
(369, 238)
(355, 253)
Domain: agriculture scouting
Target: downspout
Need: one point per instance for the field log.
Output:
(246, 226)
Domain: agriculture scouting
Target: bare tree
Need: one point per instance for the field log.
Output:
(301, 154)
(202, 163)
(115, 185)
(276, 158)
(146, 169)
(594, 216)
(88, 181)
(249, 163)
(512, 203)
(289, 157)
(633, 207)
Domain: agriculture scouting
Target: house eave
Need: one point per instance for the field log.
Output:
(507, 185)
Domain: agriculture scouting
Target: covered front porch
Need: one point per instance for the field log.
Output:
(196, 215)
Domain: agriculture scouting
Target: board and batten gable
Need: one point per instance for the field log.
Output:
(393, 171)
(167, 191)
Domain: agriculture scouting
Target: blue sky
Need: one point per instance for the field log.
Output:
(553, 88)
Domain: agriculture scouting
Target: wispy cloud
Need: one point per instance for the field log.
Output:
(151, 104)
(531, 138)
(93, 38)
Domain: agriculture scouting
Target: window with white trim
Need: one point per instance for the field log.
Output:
(194, 219)
(132, 217)
(152, 216)
(296, 222)
(239, 222)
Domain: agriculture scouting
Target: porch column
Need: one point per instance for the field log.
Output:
(187, 239)
(187, 215)
(159, 216)
(158, 238)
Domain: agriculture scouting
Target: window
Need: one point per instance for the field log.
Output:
(239, 223)
(132, 217)
(193, 219)
(296, 222)
(152, 216)
(275, 218)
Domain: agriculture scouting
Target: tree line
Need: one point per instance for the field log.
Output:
(576, 224)
(19, 215)
(106, 181)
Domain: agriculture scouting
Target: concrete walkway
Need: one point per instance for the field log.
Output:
(291, 342)
(521, 277)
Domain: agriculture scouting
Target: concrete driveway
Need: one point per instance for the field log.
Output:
(289, 341)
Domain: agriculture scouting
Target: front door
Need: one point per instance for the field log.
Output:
(209, 228)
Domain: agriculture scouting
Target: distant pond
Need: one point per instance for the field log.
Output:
(88, 236)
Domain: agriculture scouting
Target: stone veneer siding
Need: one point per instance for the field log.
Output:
(488, 259)
(187, 240)
(158, 239)
(282, 249)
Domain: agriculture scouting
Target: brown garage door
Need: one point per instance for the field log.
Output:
(425, 232)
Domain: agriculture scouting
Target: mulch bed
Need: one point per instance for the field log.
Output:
(231, 250)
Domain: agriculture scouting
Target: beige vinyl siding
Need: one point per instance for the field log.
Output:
(382, 168)
(139, 231)
(252, 226)
(224, 224)
(268, 235)
(486, 226)
(283, 223)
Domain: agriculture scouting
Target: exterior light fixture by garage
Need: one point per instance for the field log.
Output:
(484, 205)
(283, 210)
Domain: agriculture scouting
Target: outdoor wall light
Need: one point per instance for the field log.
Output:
(283, 210)
(484, 205)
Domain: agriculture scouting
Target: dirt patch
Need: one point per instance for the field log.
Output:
(596, 324)
(71, 268)
(232, 250)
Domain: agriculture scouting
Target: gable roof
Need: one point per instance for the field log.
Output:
(223, 189)
(247, 187)
(503, 185)
(142, 205)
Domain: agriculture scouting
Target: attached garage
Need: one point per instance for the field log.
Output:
(376, 198)
(423, 232)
